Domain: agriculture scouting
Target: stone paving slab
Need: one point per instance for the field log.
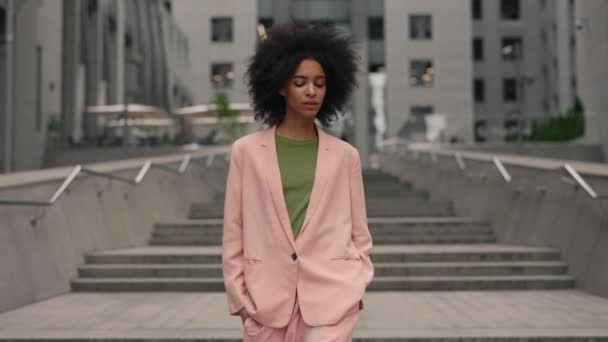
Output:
(558, 313)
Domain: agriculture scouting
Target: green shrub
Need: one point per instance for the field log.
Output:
(564, 127)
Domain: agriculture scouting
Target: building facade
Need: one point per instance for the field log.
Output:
(70, 54)
(30, 73)
(592, 67)
(523, 64)
(428, 54)
(221, 35)
(226, 36)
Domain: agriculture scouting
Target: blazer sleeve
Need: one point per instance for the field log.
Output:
(361, 235)
(232, 237)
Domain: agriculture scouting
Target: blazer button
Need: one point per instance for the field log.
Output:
(294, 256)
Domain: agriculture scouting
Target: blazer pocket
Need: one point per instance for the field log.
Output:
(346, 257)
(252, 260)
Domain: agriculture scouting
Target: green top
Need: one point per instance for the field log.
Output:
(297, 162)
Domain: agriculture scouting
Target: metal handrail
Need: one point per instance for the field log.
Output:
(83, 169)
(577, 178)
(140, 175)
(70, 178)
(180, 170)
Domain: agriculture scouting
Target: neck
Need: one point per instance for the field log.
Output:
(297, 128)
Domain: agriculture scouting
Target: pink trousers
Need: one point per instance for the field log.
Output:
(298, 331)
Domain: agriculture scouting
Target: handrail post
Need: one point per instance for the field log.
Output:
(501, 168)
(184, 165)
(459, 161)
(210, 159)
(577, 177)
(143, 171)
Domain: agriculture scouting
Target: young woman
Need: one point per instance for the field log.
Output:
(296, 242)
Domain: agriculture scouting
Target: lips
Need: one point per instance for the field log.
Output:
(311, 103)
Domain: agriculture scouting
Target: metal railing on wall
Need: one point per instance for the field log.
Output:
(401, 148)
(143, 170)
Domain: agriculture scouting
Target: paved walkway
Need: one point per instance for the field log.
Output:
(405, 314)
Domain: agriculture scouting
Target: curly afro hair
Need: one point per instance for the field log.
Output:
(278, 56)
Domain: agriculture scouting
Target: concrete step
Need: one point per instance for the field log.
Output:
(376, 230)
(438, 283)
(396, 199)
(473, 283)
(422, 239)
(379, 228)
(411, 211)
(398, 268)
(382, 254)
(148, 284)
(373, 191)
(462, 253)
(387, 186)
(397, 193)
(212, 231)
(380, 239)
(386, 212)
(168, 258)
(471, 268)
(151, 271)
(381, 269)
(373, 221)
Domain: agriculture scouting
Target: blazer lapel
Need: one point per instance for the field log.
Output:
(273, 178)
(320, 181)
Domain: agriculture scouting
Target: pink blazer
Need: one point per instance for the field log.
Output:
(328, 264)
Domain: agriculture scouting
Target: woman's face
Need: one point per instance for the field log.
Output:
(305, 90)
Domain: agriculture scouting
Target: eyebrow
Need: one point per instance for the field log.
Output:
(306, 77)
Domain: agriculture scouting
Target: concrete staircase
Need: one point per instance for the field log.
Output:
(419, 245)
(439, 278)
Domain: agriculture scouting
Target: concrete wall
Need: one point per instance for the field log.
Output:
(39, 261)
(66, 157)
(537, 208)
(587, 152)
(450, 50)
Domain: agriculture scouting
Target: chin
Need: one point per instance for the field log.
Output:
(311, 114)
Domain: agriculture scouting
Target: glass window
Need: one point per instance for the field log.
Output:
(376, 28)
(420, 27)
(479, 90)
(222, 75)
(509, 91)
(480, 127)
(417, 117)
(267, 22)
(221, 29)
(477, 9)
(512, 48)
(418, 111)
(2, 22)
(478, 49)
(422, 73)
(509, 9)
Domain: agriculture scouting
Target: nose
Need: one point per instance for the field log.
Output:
(310, 90)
